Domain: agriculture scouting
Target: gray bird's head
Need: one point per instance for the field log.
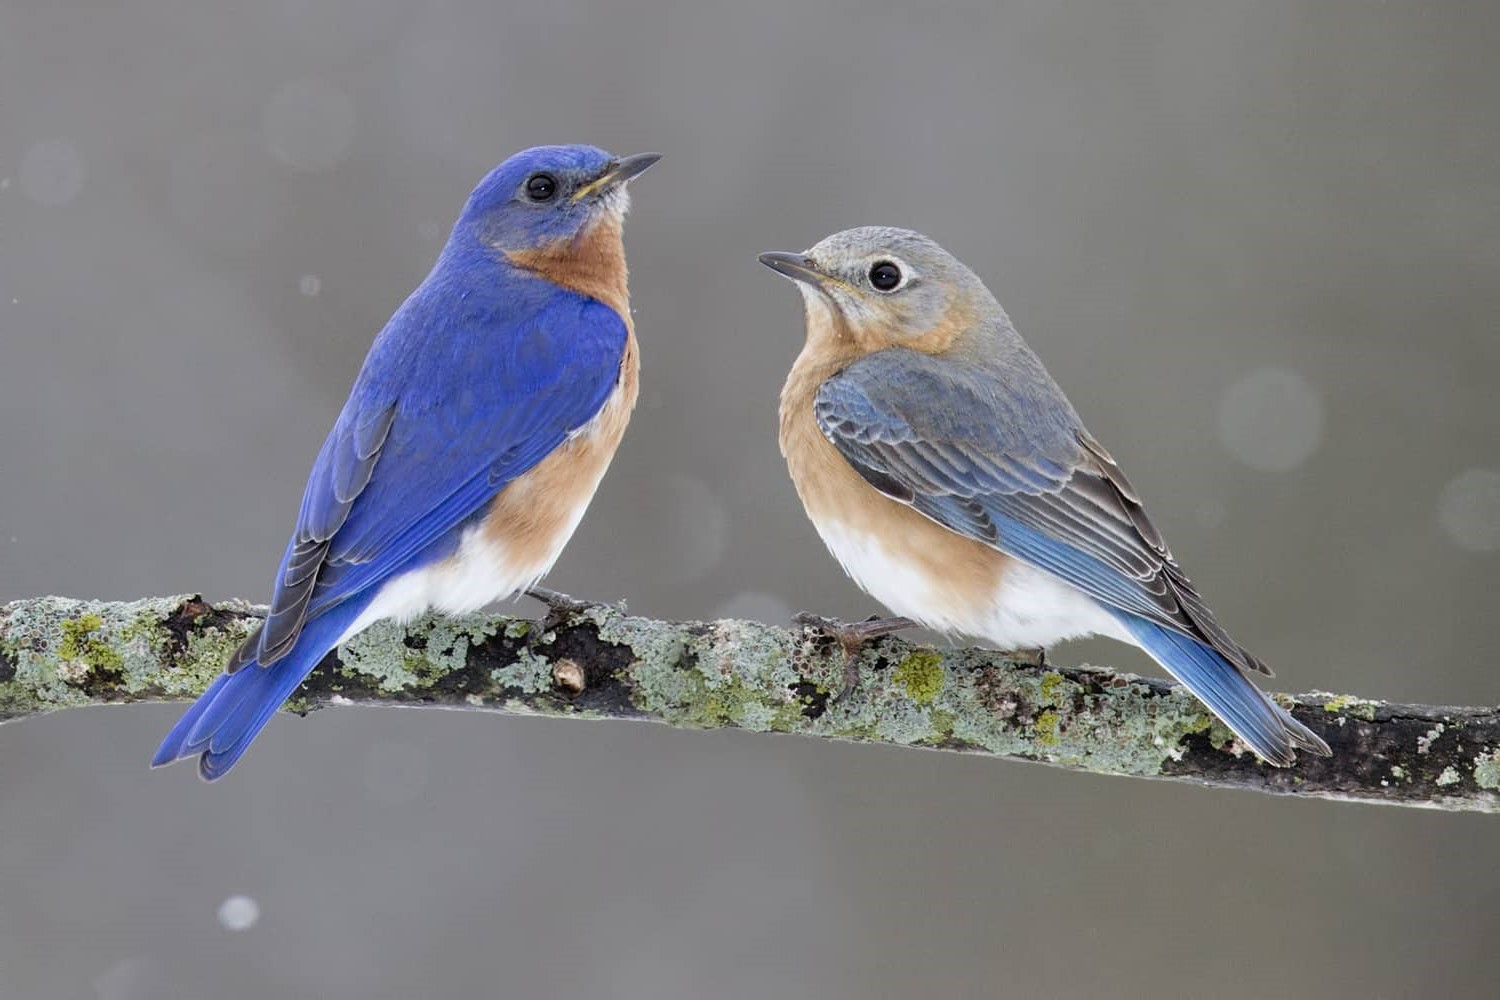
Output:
(874, 287)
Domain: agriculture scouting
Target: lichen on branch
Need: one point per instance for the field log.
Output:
(599, 662)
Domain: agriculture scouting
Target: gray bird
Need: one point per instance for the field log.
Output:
(955, 483)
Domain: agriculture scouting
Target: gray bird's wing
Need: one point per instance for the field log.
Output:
(999, 456)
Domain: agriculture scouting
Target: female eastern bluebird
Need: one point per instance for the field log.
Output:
(475, 435)
(953, 480)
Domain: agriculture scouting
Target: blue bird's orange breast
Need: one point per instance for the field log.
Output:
(531, 519)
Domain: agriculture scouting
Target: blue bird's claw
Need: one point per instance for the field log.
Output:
(562, 607)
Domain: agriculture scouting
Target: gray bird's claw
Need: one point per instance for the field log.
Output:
(852, 637)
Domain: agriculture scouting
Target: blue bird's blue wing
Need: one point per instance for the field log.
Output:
(445, 413)
(1011, 465)
(402, 469)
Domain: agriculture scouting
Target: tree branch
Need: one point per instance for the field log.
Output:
(598, 662)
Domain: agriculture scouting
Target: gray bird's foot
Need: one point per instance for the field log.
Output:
(560, 606)
(1035, 657)
(852, 637)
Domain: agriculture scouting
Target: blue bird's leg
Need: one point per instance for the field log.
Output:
(559, 604)
(851, 638)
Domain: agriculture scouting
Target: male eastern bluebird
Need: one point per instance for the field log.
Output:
(475, 435)
(953, 480)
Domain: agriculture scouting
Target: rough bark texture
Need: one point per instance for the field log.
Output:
(59, 653)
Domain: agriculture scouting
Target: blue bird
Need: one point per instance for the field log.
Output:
(477, 431)
(955, 483)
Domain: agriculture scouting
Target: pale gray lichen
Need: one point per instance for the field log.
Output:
(1425, 741)
(1487, 770)
(1448, 777)
(383, 654)
(706, 674)
(70, 652)
(529, 674)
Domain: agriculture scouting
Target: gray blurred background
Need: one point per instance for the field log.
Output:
(1257, 243)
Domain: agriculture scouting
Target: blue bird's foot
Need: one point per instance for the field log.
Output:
(852, 639)
(560, 606)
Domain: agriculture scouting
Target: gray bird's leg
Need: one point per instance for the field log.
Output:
(852, 637)
(1034, 657)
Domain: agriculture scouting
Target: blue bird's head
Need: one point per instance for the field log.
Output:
(549, 195)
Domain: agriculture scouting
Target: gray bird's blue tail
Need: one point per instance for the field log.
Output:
(220, 725)
(1265, 726)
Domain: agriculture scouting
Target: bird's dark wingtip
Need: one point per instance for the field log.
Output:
(1312, 742)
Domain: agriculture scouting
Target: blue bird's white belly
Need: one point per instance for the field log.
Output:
(528, 523)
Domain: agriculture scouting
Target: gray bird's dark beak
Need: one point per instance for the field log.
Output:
(620, 172)
(797, 266)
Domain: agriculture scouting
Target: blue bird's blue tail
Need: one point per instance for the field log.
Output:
(221, 724)
(1265, 726)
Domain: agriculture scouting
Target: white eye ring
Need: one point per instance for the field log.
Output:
(886, 275)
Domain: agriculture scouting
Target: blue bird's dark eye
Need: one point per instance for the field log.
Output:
(541, 187)
(884, 275)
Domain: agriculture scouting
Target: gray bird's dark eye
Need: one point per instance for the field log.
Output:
(884, 275)
(541, 187)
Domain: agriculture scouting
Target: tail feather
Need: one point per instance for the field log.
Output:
(176, 745)
(1265, 726)
(221, 724)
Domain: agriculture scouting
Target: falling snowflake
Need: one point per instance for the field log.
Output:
(309, 125)
(756, 606)
(700, 524)
(1468, 510)
(52, 172)
(1271, 420)
(239, 913)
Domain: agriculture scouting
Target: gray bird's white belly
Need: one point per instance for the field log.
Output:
(1026, 608)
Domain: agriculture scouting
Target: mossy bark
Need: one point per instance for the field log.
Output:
(598, 662)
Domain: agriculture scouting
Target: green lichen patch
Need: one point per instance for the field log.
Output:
(942, 724)
(920, 674)
(67, 652)
(1348, 704)
(1054, 688)
(1046, 727)
(201, 658)
(85, 651)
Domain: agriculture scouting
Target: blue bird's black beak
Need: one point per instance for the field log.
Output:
(621, 171)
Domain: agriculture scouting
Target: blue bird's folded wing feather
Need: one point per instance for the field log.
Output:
(412, 458)
(440, 421)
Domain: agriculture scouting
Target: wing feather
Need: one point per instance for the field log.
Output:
(1008, 466)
